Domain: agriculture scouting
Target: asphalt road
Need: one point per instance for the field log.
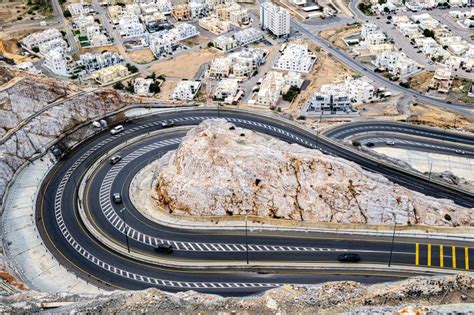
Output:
(406, 136)
(67, 238)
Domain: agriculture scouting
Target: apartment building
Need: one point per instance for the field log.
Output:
(182, 12)
(164, 42)
(141, 86)
(396, 63)
(327, 104)
(93, 62)
(270, 89)
(55, 62)
(186, 90)
(248, 36)
(296, 57)
(358, 90)
(293, 78)
(78, 9)
(274, 19)
(130, 26)
(214, 25)
(225, 43)
(240, 65)
(198, 9)
(442, 80)
(44, 39)
(110, 74)
(226, 90)
(165, 6)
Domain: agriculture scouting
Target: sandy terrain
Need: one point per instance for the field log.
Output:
(142, 56)
(434, 116)
(185, 65)
(421, 81)
(380, 110)
(335, 35)
(167, 88)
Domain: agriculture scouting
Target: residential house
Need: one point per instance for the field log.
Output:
(141, 86)
(110, 74)
(296, 57)
(396, 63)
(442, 80)
(55, 61)
(186, 90)
(270, 89)
(214, 25)
(225, 43)
(226, 90)
(247, 36)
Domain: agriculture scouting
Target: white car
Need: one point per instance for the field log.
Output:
(117, 129)
(390, 142)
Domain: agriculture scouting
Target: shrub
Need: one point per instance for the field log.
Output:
(118, 86)
(356, 143)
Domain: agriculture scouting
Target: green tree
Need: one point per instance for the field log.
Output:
(118, 86)
(210, 44)
(155, 87)
(131, 68)
(428, 33)
(67, 13)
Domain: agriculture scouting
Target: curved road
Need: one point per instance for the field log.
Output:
(66, 236)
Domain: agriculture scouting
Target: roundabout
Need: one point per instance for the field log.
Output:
(113, 245)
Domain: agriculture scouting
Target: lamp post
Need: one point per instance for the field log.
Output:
(246, 239)
(393, 240)
(126, 228)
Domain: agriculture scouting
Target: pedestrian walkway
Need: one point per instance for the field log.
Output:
(22, 243)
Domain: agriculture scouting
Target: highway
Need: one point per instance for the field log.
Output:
(406, 136)
(72, 244)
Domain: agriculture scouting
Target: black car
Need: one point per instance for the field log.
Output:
(370, 144)
(164, 248)
(117, 198)
(167, 124)
(348, 257)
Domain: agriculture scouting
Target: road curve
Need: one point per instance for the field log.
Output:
(406, 136)
(67, 238)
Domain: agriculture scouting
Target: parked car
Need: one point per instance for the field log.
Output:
(115, 159)
(164, 249)
(117, 198)
(117, 129)
(348, 257)
(167, 124)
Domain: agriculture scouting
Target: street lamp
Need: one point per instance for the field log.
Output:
(126, 228)
(246, 239)
(393, 239)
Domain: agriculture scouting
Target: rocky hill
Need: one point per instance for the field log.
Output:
(436, 295)
(44, 109)
(222, 170)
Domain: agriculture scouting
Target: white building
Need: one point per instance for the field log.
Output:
(141, 86)
(270, 89)
(225, 43)
(164, 42)
(247, 36)
(43, 39)
(28, 66)
(55, 62)
(93, 62)
(294, 79)
(327, 104)
(214, 25)
(357, 90)
(226, 90)
(186, 90)
(275, 19)
(239, 65)
(296, 57)
(78, 9)
(131, 27)
(397, 63)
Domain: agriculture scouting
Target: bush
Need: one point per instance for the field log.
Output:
(428, 33)
(35, 49)
(131, 68)
(67, 14)
(155, 87)
(301, 117)
(355, 143)
(210, 44)
(291, 94)
(118, 86)
(404, 84)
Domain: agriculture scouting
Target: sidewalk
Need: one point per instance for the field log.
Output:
(22, 243)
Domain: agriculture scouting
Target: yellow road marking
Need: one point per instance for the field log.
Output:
(429, 254)
(454, 256)
(466, 257)
(417, 255)
(441, 257)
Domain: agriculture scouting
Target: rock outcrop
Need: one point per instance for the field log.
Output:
(420, 295)
(222, 170)
(50, 108)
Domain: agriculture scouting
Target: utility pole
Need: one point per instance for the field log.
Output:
(126, 228)
(246, 239)
(393, 239)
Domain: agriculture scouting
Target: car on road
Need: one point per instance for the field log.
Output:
(167, 123)
(390, 142)
(164, 249)
(117, 198)
(369, 144)
(115, 159)
(348, 257)
(460, 152)
(117, 129)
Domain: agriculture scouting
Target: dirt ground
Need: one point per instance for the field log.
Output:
(421, 81)
(458, 93)
(167, 89)
(336, 35)
(387, 109)
(184, 66)
(142, 56)
(20, 10)
(326, 70)
(9, 48)
(434, 116)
